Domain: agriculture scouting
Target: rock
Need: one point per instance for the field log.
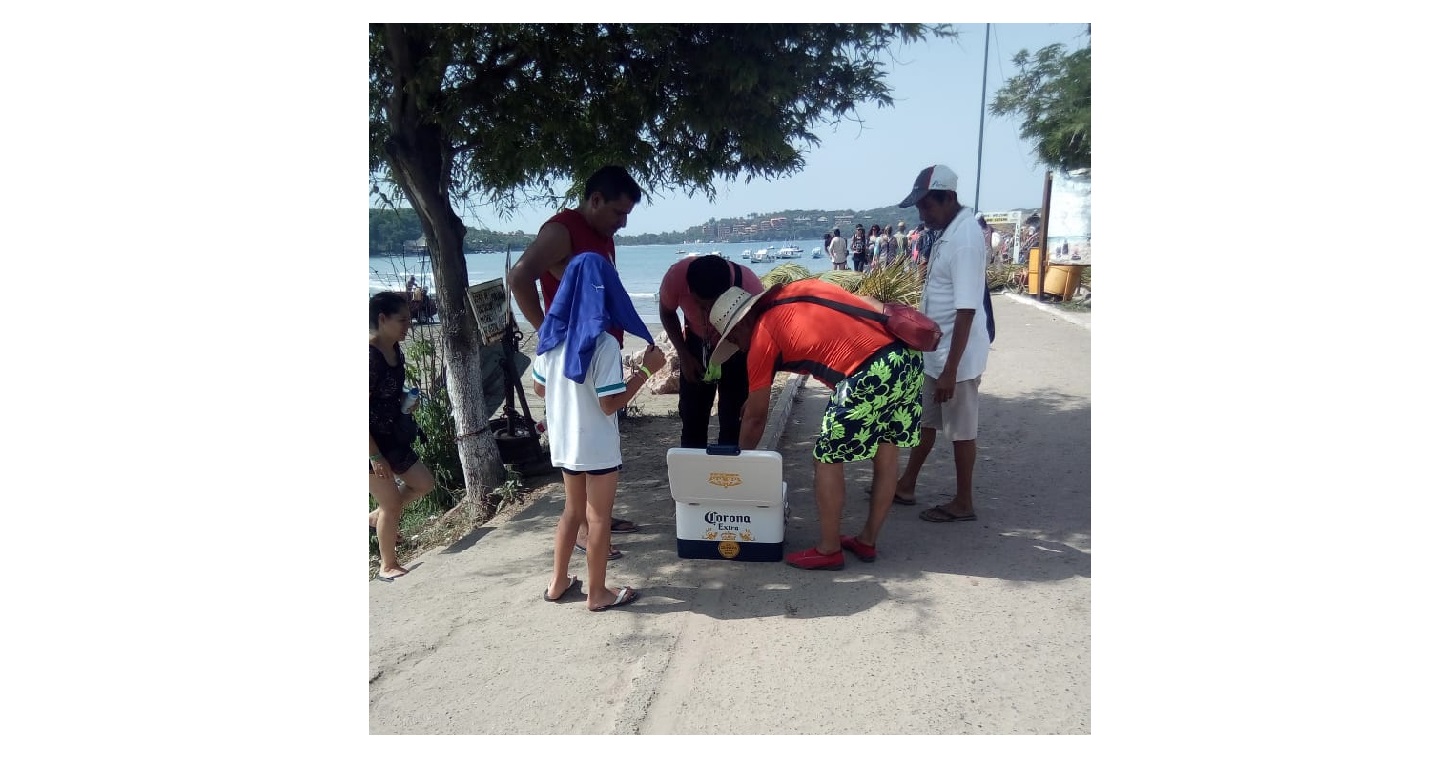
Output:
(667, 381)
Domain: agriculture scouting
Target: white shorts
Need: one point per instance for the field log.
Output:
(957, 418)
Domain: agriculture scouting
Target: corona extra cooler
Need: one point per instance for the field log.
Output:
(728, 507)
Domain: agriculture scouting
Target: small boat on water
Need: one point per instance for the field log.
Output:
(788, 253)
(762, 255)
(816, 253)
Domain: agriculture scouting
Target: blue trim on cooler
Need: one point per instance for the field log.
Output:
(751, 551)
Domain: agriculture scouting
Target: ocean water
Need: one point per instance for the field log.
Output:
(641, 268)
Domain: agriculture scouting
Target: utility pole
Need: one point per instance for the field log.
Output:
(981, 128)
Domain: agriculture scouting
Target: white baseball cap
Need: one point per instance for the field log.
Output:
(937, 177)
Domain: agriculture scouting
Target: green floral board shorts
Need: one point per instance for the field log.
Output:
(879, 403)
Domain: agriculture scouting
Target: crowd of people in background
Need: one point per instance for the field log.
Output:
(879, 247)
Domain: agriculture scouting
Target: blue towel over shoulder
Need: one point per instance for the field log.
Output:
(589, 301)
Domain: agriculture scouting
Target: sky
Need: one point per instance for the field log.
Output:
(936, 87)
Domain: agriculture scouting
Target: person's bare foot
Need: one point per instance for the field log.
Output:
(907, 497)
(557, 590)
(955, 507)
(615, 554)
(611, 598)
(391, 574)
(948, 512)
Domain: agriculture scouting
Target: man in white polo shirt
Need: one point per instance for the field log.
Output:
(953, 298)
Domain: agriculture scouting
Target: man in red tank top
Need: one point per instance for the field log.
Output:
(608, 197)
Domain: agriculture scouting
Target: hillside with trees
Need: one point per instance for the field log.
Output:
(809, 224)
(397, 231)
(393, 229)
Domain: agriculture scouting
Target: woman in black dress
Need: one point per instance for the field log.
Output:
(391, 455)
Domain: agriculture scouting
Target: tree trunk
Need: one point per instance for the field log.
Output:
(420, 159)
(460, 347)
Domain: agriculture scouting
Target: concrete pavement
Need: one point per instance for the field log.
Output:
(977, 627)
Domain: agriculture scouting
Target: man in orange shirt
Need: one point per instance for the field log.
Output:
(875, 406)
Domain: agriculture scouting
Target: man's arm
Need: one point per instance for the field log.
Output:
(946, 383)
(690, 365)
(550, 249)
(651, 362)
(671, 322)
(753, 418)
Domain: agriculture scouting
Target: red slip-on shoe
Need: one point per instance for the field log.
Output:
(863, 552)
(811, 559)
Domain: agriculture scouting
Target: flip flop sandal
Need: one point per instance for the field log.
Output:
(546, 594)
(938, 515)
(614, 555)
(897, 499)
(626, 597)
(619, 525)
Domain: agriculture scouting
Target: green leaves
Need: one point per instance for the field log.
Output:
(678, 105)
(785, 273)
(1052, 96)
(898, 281)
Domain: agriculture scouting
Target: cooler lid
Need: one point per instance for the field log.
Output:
(751, 477)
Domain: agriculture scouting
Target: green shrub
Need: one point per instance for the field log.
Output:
(1005, 276)
(785, 273)
(438, 449)
(897, 281)
(846, 279)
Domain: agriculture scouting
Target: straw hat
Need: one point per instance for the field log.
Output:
(726, 313)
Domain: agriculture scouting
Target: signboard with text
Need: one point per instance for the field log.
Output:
(1069, 226)
(492, 309)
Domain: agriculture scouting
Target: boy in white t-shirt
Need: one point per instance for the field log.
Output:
(581, 417)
